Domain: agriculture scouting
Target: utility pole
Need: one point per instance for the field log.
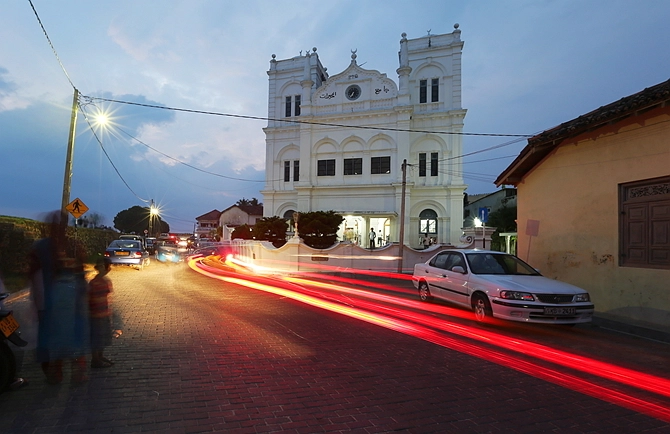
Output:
(402, 216)
(67, 180)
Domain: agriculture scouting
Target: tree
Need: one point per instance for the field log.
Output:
(95, 219)
(271, 229)
(248, 202)
(504, 220)
(318, 229)
(243, 232)
(136, 220)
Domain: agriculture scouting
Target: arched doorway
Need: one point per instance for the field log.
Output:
(428, 225)
(288, 216)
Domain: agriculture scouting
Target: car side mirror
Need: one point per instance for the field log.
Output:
(458, 269)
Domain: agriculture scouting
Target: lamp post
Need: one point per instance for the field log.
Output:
(153, 212)
(480, 224)
(67, 179)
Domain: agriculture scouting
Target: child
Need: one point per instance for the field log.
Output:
(101, 326)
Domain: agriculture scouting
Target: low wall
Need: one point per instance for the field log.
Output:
(295, 256)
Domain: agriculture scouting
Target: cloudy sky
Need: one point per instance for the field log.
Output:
(528, 65)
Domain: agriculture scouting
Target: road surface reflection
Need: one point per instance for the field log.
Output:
(644, 393)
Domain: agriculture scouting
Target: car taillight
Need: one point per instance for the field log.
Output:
(107, 254)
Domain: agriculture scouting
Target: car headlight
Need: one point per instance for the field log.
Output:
(582, 297)
(516, 295)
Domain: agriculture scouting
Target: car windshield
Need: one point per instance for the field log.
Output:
(124, 244)
(492, 263)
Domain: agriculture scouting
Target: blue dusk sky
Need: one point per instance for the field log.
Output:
(528, 65)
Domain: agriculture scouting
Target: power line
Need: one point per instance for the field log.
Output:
(81, 108)
(50, 44)
(297, 121)
(184, 163)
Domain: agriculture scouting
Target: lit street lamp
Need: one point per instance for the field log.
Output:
(480, 224)
(153, 212)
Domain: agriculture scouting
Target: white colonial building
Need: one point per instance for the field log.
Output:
(339, 142)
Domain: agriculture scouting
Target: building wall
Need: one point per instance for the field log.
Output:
(391, 109)
(235, 217)
(574, 195)
(505, 197)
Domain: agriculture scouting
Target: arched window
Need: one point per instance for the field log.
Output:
(288, 216)
(428, 222)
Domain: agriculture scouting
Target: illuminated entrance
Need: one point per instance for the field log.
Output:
(355, 229)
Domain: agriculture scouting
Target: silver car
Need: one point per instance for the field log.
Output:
(500, 285)
(127, 252)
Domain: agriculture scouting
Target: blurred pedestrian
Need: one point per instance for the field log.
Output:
(373, 237)
(59, 293)
(99, 289)
(425, 241)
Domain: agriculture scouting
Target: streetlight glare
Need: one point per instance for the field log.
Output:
(101, 119)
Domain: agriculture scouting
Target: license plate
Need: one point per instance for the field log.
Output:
(8, 325)
(122, 253)
(559, 311)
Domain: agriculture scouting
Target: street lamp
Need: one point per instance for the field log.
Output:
(153, 212)
(480, 224)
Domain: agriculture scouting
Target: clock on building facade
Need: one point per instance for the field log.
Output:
(353, 92)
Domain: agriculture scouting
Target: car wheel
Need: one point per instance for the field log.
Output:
(482, 308)
(424, 291)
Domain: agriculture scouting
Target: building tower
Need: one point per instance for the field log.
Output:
(338, 142)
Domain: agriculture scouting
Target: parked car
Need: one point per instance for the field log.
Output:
(150, 245)
(127, 252)
(500, 285)
(134, 237)
(169, 250)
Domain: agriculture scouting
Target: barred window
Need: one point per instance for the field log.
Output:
(433, 164)
(353, 166)
(422, 164)
(423, 91)
(380, 165)
(287, 108)
(434, 90)
(325, 168)
(297, 105)
(287, 171)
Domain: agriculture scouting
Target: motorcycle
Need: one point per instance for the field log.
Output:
(9, 331)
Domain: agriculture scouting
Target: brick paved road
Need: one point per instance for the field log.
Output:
(197, 355)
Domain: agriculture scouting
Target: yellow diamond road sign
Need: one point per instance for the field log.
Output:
(76, 208)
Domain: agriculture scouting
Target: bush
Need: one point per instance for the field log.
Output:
(318, 229)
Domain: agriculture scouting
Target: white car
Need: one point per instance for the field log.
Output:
(500, 285)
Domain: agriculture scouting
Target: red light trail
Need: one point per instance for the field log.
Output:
(399, 314)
